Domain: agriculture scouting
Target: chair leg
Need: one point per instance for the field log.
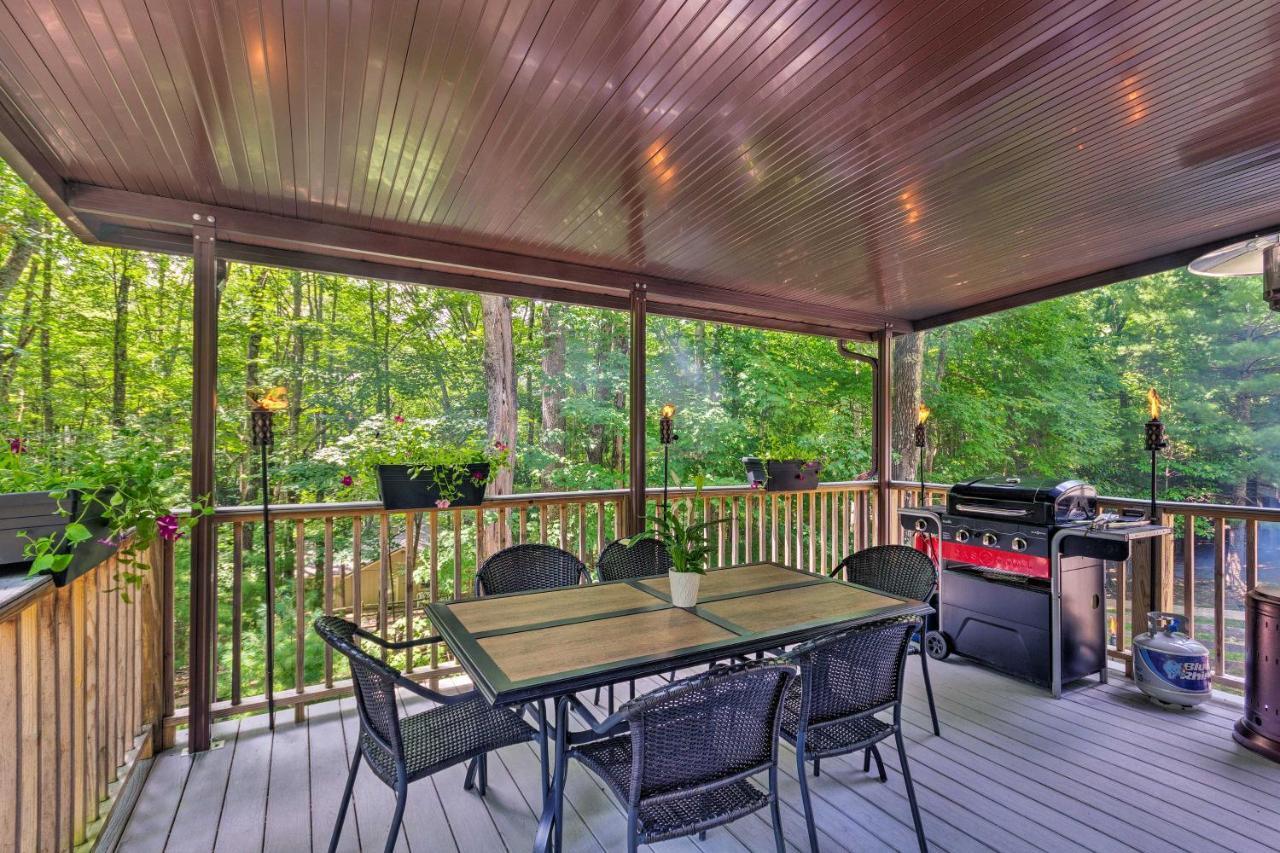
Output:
(817, 767)
(775, 814)
(875, 753)
(595, 700)
(804, 797)
(469, 781)
(402, 794)
(610, 698)
(483, 787)
(866, 759)
(911, 792)
(928, 690)
(346, 801)
(632, 685)
(633, 832)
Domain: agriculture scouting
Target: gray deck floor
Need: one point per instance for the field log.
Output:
(1014, 770)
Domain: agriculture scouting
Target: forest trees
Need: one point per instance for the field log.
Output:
(92, 339)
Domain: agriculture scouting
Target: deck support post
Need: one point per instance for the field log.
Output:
(204, 403)
(636, 479)
(882, 434)
(1152, 576)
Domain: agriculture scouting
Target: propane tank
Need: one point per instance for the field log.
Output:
(1169, 666)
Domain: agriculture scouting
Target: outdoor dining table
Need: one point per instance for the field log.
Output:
(524, 649)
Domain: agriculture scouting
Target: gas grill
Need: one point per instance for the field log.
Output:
(1022, 582)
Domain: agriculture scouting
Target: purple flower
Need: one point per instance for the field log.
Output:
(755, 484)
(499, 446)
(442, 504)
(347, 480)
(477, 476)
(167, 527)
(17, 445)
(398, 419)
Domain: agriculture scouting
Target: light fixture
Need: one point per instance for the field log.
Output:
(1257, 256)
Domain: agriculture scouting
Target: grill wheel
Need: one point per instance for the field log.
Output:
(937, 645)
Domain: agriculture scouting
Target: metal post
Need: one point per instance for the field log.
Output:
(204, 350)
(635, 521)
(882, 434)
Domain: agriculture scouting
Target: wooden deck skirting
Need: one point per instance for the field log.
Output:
(81, 697)
(1014, 770)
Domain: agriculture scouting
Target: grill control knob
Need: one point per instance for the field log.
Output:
(990, 539)
(962, 535)
(1018, 544)
(922, 525)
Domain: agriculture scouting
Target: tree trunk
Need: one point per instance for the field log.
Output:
(21, 338)
(553, 363)
(25, 242)
(500, 382)
(46, 363)
(908, 356)
(120, 341)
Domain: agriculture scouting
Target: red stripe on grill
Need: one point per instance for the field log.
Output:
(992, 558)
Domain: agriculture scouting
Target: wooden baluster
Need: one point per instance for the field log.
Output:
(733, 531)
(801, 531)
(410, 563)
(479, 526)
(299, 615)
(1219, 595)
(563, 519)
(520, 521)
(504, 524)
(456, 521)
(434, 515)
(786, 529)
(1189, 572)
(587, 559)
(542, 524)
(1250, 553)
(823, 509)
(599, 527)
(384, 574)
(720, 512)
(327, 568)
(357, 571)
(237, 607)
(213, 620)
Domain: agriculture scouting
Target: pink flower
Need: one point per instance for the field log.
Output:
(347, 480)
(500, 446)
(755, 484)
(167, 527)
(441, 503)
(477, 476)
(398, 419)
(17, 445)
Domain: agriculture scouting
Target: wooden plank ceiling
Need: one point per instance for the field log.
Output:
(835, 165)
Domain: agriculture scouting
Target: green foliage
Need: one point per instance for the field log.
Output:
(685, 541)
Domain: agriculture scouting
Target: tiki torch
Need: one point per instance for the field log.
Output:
(1155, 442)
(262, 412)
(922, 417)
(666, 434)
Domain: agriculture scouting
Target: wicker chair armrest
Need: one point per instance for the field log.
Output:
(840, 569)
(403, 644)
(615, 724)
(434, 695)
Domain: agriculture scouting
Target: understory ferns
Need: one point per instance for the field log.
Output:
(118, 493)
(426, 445)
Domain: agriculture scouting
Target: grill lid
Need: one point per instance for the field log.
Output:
(1030, 501)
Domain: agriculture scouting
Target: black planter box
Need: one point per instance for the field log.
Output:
(783, 475)
(37, 514)
(399, 490)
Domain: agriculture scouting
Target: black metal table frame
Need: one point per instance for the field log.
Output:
(533, 693)
(1055, 581)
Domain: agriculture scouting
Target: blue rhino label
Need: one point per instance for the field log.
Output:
(1185, 673)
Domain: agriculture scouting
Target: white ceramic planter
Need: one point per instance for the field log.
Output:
(684, 588)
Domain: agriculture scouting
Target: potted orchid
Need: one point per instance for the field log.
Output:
(66, 506)
(783, 468)
(414, 465)
(687, 543)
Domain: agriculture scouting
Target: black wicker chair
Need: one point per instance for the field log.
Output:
(401, 750)
(680, 759)
(845, 680)
(619, 561)
(904, 572)
(525, 568)
(645, 558)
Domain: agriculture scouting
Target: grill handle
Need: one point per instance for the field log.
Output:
(992, 510)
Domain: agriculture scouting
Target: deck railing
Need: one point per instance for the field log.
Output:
(350, 559)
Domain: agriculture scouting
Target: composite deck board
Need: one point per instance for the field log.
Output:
(1014, 770)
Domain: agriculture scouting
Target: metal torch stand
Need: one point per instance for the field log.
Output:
(928, 522)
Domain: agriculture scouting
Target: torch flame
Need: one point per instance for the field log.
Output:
(668, 410)
(269, 401)
(922, 413)
(1154, 403)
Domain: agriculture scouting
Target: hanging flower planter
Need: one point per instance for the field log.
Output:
(412, 487)
(782, 475)
(39, 515)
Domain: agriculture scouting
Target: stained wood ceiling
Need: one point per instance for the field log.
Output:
(832, 165)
